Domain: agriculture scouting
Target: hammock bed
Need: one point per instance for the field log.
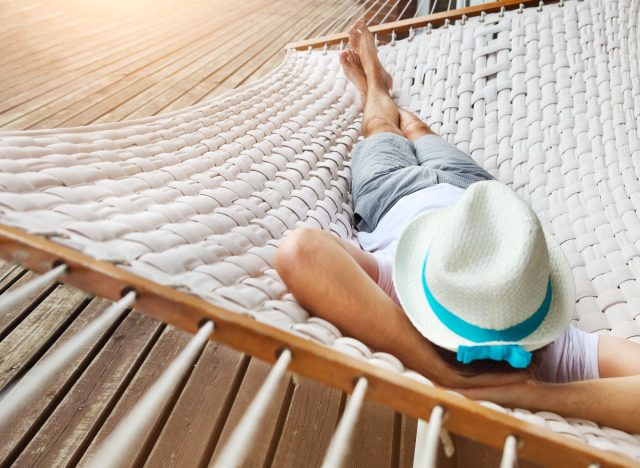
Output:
(180, 215)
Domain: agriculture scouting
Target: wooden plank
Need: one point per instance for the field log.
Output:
(237, 71)
(11, 318)
(168, 346)
(269, 57)
(309, 425)
(262, 446)
(64, 436)
(198, 417)
(213, 82)
(408, 428)
(152, 94)
(144, 39)
(310, 359)
(9, 273)
(436, 19)
(54, 108)
(25, 343)
(86, 103)
(470, 453)
(372, 439)
(77, 51)
(31, 417)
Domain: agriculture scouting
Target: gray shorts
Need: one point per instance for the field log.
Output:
(385, 167)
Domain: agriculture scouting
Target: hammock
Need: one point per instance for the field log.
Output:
(545, 99)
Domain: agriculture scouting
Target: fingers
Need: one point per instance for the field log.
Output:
(455, 380)
(520, 395)
(495, 379)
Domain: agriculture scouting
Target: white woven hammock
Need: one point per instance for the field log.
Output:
(547, 100)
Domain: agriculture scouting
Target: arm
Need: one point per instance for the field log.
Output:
(611, 402)
(618, 357)
(335, 280)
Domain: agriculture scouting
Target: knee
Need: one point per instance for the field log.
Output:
(374, 125)
(296, 251)
(416, 129)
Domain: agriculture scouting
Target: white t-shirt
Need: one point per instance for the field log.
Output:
(573, 356)
(386, 234)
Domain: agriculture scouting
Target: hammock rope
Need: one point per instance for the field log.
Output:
(199, 199)
(11, 299)
(339, 445)
(237, 448)
(510, 453)
(427, 449)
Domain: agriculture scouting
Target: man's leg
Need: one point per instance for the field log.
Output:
(412, 126)
(380, 112)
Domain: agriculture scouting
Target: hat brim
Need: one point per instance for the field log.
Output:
(407, 279)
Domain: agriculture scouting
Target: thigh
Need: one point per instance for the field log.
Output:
(378, 156)
(451, 164)
(383, 169)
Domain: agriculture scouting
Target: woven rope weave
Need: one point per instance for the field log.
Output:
(547, 101)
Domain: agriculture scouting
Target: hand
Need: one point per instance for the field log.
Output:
(447, 376)
(520, 394)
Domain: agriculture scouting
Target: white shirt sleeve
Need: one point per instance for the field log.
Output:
(573, 356)
(385, 274)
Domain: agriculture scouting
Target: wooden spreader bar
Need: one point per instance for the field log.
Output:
(309, 359)
(436, 19)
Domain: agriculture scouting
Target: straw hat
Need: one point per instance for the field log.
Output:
(483, 278)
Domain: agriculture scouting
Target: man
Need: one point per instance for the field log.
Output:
(401, 173)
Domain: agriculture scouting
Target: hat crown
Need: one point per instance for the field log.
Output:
(488, 263)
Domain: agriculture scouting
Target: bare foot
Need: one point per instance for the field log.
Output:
(362, 41)
(353, 70)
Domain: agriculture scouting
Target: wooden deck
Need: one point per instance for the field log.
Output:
(76, 62)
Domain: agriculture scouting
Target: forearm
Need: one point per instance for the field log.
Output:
(610, 402)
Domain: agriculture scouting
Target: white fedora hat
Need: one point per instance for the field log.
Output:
(483, 278)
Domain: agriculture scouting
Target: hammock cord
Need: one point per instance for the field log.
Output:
(375, 15)
(347, 12)
(389, 12)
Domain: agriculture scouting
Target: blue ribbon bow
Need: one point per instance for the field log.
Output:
(513, 354)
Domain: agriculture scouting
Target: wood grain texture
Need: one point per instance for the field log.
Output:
(32, 417)
(74, 62)
(64, 436)
(198, 416)
(251, 383)
(164, 351)
(311, 421)
(41, 327)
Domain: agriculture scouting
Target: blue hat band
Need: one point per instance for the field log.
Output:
(480, 335)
